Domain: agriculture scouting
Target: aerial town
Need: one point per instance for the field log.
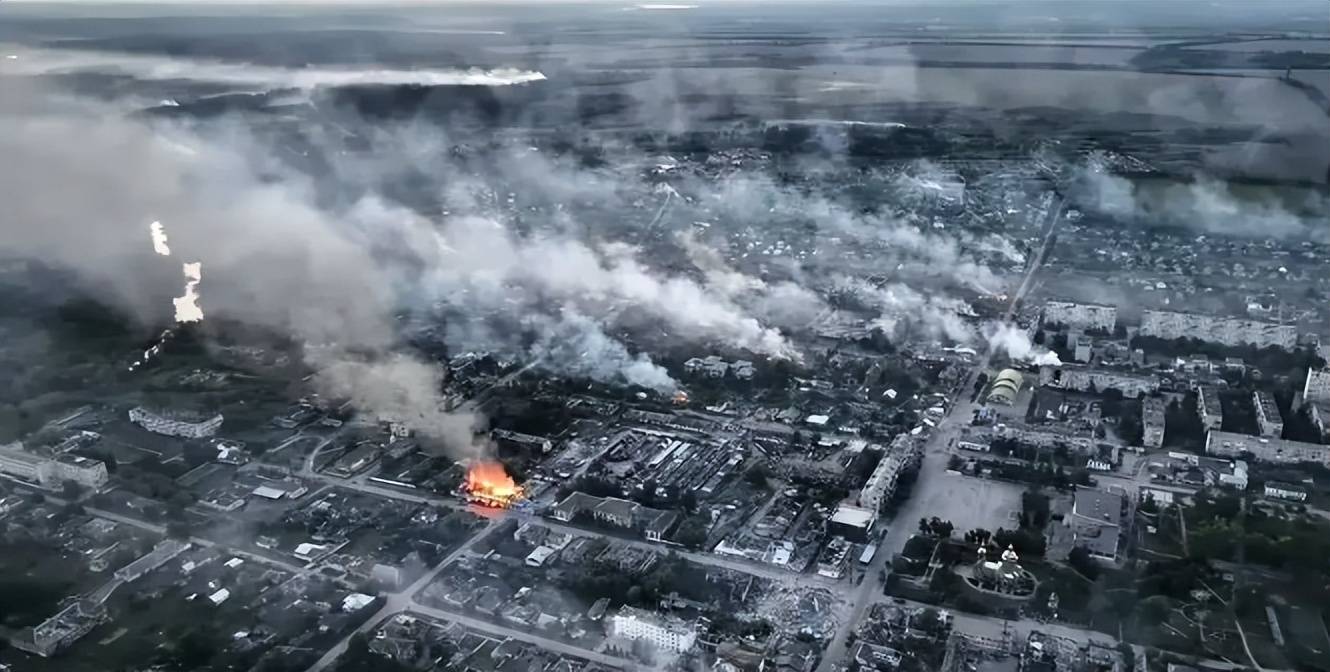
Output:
(933, 407)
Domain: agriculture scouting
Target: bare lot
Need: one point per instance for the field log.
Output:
(971, 502)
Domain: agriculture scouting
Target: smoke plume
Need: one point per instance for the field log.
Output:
(1015, 343)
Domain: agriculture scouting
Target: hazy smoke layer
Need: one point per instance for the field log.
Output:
(334, 279)
(531, 284)
(1206, 205)
(161, 68)
(274, 259)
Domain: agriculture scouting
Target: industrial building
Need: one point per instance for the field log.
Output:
(1229, 444)
(1268, 417)
(1081, 315)
(183, 424)
(1217, 329)
(1006, 386)
(665, 634)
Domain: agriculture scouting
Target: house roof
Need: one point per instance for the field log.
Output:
(617, 508)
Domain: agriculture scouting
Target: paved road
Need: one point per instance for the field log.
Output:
(523, 636)
(403, 599)
(932, 469)
(997, 628)
(711, 559)
(198, 541)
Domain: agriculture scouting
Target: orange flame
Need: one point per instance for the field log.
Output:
(487, 483)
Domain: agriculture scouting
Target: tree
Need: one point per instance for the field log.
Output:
(943, 528)
(1149, 505)
(1080, 560)
(692, 533)
(71, 490)
(1035, 509)
(757, 476)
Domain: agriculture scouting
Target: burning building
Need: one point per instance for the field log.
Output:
(488, 484)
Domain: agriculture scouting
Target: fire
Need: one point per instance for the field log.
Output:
(487, 483)
(680, 398)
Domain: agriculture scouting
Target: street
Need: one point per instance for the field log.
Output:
(931, 471)
(402, 599)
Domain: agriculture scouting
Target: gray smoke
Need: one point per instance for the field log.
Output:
(273, 259)
(334, 279)
(1205, 205)
(400, 389)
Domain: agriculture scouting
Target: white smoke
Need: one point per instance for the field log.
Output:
(1016, 344)
(484, 263)
(162, 68)
(906, 310)
(1204, 204)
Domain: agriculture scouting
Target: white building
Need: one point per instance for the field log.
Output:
(881, 484)
(1081, 379)
(1077, 439)
(85, 471)
(1153, 413)
(665, 634)
(1317, 387)
(1229, 444)
(175, 423)
(1217, 329)
(1277, 490)
(19, 463)
(1209, 407)
(50, 472)
(1081, 315)
(1268, 417)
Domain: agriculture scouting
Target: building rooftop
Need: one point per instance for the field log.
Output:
(1098, 505)
(853, 516)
